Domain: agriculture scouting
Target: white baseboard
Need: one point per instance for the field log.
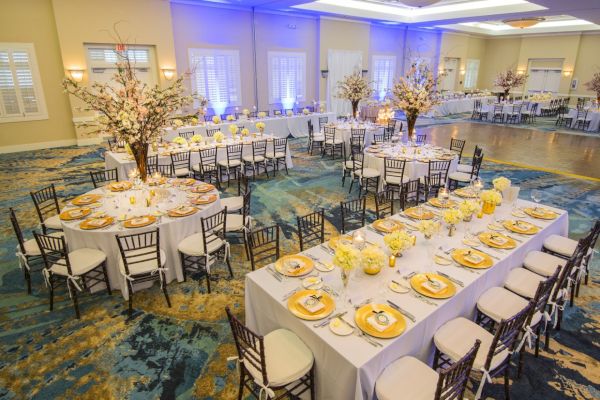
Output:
(37, 146)
(89, 141)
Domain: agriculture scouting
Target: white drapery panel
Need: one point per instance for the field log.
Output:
(341, 63)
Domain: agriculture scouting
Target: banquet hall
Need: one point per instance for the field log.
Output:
(300, 199)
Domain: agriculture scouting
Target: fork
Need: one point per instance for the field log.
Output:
(423, 299)
(369, 340)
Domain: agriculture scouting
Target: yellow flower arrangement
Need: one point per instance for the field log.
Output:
(277, 112)
(233, 129)
(230, 118)
(428, 227)
(501, 183)
(452, 216)
(219, 136)
(491, 196)
(289, 113)
(260, 126)
(128, 149)
(194, 121)
(398, 241)
(306, 111)
(468, 207)
(261, 114)
(179, 140)
(373, 259)
(245, 132)
(346, 257)
(177, 122)
(216, 119)
(196, 139)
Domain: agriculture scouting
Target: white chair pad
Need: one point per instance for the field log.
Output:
(561, 245)
(408, 376)
(233, 163)
(460, 176)
(334, 142)
(396, 180)
(464, 168)
(235, 222)
(318, 138)
(367, 173)
(250, 159)
(194, 245)
(543, 263)
(142, 267)
(82, 261)
(349, 164)
(279, 154)
(182, 172)
(287, 358)
(205, 167)
(456, 337)
(53, 222)
(499, 303)
(523, 282)
(232, 203)
(31, 246)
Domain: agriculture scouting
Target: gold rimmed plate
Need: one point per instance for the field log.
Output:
(387, 225)
(75, 213)
(86, 199)
(419, 213)
(441, 204)
(182, 211)
(524, 227)
(96, 223)
(497, 240)
(294, 265)
(139, 222)
(472, 258)
(205, 199)
(334, 241)
(433, 285)
(388, 319)
(203, 188)
(540, 213)
(120, 186)
(311, 304)
(465, 193)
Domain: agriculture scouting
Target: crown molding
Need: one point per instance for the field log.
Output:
(353, 21)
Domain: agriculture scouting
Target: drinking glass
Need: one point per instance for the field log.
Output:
(536, 195)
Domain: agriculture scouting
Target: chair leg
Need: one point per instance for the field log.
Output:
(130, 300)
(229, 267)
(27, 279)
(436, 359)
(51, 292)
(313, 396)
(182, 258)
(108, 289)
(538, 332)
(207, 279)
(507, 382)
(164, 289)
(75, 300)
(521, 356)
(241, 387)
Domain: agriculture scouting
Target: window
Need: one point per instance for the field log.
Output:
(287, 78)
(216, 76)
(21, 94)
(384, 69)
(471, 73)
(103, 57)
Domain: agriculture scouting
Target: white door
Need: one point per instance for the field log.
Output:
(543, 80)
(449, 80)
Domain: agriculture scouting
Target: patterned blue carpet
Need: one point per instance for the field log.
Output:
(180, 352)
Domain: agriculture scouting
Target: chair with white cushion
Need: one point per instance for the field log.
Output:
(394, 173)
(181, 164)
(384, 203)
(278, 156)
(200, 251)
(240, 223)
(278, 361)
(232, 165)
(100, 178)
(453, 340)
(263, 245)
(353, 212)
(333, 142)
(207, 169)
(257, 159)
(142, 260)
(315, 139)
(457, 178)
(368, 178)
(46, 206)
(419, 382)
(467, 168)
(435, 167)
(78, 269)
(311, 229)
(235, 203)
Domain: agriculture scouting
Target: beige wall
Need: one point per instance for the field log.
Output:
(463, 47)
(500, 54)
(32, 21)
(588, 63)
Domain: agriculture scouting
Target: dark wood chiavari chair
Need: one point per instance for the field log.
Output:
(314, 140)
(267, 113)
(241, 223)
(410, 194)
(498, 113)
(357, 138)
(164, 170)
(311, 228)
(186, 135)
(384, 203)
(421, 139)
(181, 164)
(457, 146)
(353, 213)
(28, 252)
(207, 169)
(263, 245)
(393, 173)
(257, 160)
(232, 165)
(332, 143)
(211, 132)
(100, 178)
(278, 156)
(322, 122)
(368, 178)
(47, 208)
(457, 178)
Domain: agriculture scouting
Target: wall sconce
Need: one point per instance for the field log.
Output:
(462, 72)
(567, 73)
(76, 74)
(520, 72)
(324, 73)
(365, 72)
(168, 73)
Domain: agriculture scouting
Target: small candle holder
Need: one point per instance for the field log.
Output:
(358, 239)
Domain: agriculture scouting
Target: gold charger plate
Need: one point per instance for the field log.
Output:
(75, 213)
(387, 225)
(96, 223)
(139, 222)
(540, 213)
(441, 204)
(120, 186)
(305, 265)
(465, 193)
(460, 256)
(523, 227)
(183, 211)
(417, 281)
(334, 241)
(205, 199)
(364, 312)
(86, 199)
(488, 238)
(414, 213)
(296, 308)
(204, 188)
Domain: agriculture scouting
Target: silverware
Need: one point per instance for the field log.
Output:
(327, 249)
(346, 322)
(375, 231)
(364, 302)
(369, 340)
(423, 299)
(459, 283)
(326, 320)
(403, 311)
(274, 273)
(486, 253)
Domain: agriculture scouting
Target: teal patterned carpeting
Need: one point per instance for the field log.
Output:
(181, 352)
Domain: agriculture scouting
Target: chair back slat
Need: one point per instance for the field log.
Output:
(329, 133)
(311, 228)
(165, 170)
(452, 381)
(54, 251)
(213, 229)
(186, 135)
(17, 228)
(139, 248)
(439, 166)
(409, 193)
(249, 345)
(208, 160)
(322, 122)
(280, 146)
(421, 139)
(234, 152)
(99, 178)
(46, 202)
(353, 213)
(180, 160)
(384, 203)
(211, 132)
(394, 168)
(264, 245)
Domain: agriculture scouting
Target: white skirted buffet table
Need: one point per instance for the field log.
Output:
(347, 367)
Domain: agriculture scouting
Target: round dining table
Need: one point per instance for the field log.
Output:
(117, 209)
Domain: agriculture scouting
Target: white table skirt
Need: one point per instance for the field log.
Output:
(172, 231)
(508, 108)
(281, 127)
(593, 115)
(123, 163)
(455, 106)
(348, 367)
(346, 135)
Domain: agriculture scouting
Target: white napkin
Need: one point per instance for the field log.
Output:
(498, 240)
(97, 222)
(377, 326)
(138, 221)
(312, 308)
(474, 258)
(434, 288)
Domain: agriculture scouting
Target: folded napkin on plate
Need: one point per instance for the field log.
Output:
(473, 258)
(372, 320)
(138, 221)
(75, 213)
(433, 288)
(97, 222)
(311, 304)
(498, 240)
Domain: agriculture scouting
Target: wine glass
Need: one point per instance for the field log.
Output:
(536, 195)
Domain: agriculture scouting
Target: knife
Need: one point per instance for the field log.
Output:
(459, 283)
(406, 313)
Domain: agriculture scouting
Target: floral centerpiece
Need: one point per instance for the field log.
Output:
(398, 241)
(196, 139)
(179, 140)
(128, 109)
(246, 112)
(194, 121)
(230, 118)
(428, 228)
(594, 86)
(468, 208)
(373, 260)
(501, 184)
(260, 126)
(277, 112)
(261, 114)
(219, 136)
(347, 258)
(177, 123)
(415, 94)
(354, 88)
(452, 216)
(245, 132)
(509, 79)
(233, 129)
(305, 111)
(490, 199)
(289, 113)
(216, 119)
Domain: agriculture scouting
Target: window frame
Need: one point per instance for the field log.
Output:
(42, 113)
(390, 83)
(468, 73)
(204, 52)
(300, 94)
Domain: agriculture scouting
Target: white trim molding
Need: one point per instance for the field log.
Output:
(37, 146)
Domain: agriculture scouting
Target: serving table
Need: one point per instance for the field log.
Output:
(593, 115)
(169, 195)
(347, 366)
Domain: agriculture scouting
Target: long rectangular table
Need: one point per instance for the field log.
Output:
(348, 367)
(282, 126)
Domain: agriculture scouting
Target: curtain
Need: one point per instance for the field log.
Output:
(340, 63)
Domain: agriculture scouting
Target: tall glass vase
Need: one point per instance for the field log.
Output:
(355, 108)
(411, 121)
(140, 154)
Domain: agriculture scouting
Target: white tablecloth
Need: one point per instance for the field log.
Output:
(347, 367)
(344, 131)
(282, 127)
(593, 115)
(172, 230)
(455, 106)
(125, 163)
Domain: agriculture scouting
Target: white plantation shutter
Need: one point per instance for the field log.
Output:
(21, 96)
(384, 68)
(471, 73)
(287, 77)
(216, 76)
